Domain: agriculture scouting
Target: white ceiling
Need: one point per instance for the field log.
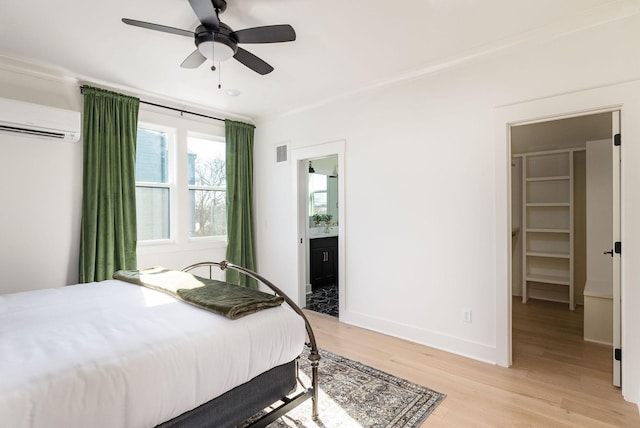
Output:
(342, 47)
(561, 134)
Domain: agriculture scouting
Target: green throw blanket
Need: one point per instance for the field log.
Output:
(230, 300)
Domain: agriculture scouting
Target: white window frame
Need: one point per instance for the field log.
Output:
(171, 184)
(213, 238)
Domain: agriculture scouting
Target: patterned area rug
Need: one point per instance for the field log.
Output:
(358, 396)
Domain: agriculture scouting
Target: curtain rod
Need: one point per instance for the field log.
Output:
(181, 111)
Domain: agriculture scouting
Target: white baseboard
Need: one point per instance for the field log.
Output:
(455, 345)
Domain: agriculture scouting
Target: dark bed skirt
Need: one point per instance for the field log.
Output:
(242, 402)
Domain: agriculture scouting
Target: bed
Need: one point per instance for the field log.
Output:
(115, 354)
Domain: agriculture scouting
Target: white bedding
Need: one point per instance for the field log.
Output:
(113, 354)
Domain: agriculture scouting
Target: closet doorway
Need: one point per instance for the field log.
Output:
(565, 215)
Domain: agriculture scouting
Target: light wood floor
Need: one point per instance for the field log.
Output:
(556, 379)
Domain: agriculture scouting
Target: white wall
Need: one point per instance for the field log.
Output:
(425, 191)
(41, 191)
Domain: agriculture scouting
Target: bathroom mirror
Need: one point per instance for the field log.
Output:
(323, 188)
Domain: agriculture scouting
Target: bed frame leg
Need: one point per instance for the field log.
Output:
(314, 357)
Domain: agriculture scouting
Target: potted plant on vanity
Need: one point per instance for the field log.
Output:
(323, 218)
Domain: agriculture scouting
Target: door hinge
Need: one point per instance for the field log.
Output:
(617, 140)
(617, 354)
(617, 247)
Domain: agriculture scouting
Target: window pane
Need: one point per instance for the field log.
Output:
(317, 194)
(152, 163)
(206, 163)
(152, 216)
(208, 213)
(319, 202)
(317, 182)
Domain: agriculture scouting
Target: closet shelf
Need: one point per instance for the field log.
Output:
(550, 255)
(549, 279)
(547, 213)
(548, 204)
(533, 230)
(554, 178)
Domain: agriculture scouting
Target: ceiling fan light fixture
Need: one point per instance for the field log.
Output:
(216, 51)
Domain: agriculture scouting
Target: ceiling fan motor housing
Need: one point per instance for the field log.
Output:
(223, 35)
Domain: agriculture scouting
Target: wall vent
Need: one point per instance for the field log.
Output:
(281, 153)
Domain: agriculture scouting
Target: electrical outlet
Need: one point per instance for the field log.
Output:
(466, 315)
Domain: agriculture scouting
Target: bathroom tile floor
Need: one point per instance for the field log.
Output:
(324, 300)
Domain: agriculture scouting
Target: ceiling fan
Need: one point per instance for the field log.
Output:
(216, 41)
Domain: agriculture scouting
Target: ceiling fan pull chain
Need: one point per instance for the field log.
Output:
(219, 76)
(213, 54)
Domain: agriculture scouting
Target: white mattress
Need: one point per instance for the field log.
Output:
(114, 354)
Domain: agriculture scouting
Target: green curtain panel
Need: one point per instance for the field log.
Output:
(239, 160)
(108, 230)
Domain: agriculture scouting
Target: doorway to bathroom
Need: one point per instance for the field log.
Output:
(322, 212)
(319, 178)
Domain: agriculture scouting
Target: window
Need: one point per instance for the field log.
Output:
(181, 186)
(317, 194)
(153, 191)
(207, 186)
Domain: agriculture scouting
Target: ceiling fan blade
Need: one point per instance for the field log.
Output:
(266, 34)
(194, 60)
(252, 61)
(206, 13)
(158, 27)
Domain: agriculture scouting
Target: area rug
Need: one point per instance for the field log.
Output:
(358, 396)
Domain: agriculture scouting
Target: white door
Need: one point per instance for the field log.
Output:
(617, 364)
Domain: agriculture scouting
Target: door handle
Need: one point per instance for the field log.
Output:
(609, 252)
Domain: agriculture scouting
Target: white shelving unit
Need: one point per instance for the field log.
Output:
(547, 210)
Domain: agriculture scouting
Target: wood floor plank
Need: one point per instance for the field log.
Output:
(557, 379)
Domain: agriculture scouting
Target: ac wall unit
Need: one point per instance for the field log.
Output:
(39, 120)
